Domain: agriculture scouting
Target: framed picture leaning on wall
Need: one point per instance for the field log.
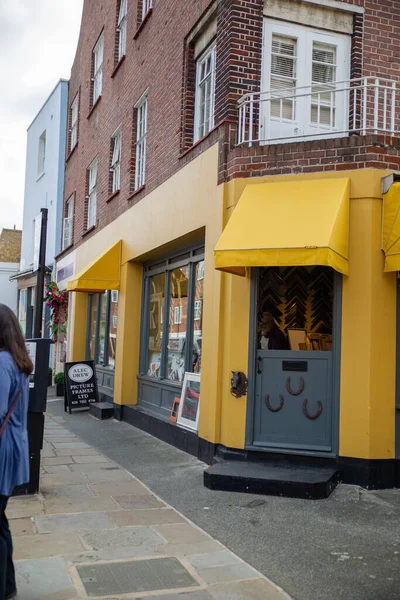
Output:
(188, 415)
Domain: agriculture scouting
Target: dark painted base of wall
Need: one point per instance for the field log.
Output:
(369, 474)
(168, 432)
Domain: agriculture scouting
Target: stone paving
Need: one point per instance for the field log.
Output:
(92, 512)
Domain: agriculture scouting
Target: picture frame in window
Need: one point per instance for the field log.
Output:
(174, 410)
(297, 338)
(189, 406)
(114, 296)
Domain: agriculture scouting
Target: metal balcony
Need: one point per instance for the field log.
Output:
(319, 111)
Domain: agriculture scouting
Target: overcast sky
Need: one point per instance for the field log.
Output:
(38, 41)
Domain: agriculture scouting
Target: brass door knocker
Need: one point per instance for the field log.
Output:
(281, 403)
(316, 415)
(289, 389)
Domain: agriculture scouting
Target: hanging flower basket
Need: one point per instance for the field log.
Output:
(58, 303)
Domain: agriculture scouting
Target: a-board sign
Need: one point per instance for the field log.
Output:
(80, 384)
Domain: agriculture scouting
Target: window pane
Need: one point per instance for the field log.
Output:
(156, 307)
(93, 327)
(198, 318)
(178, 293)
(22, 310)
(112, 342)
(102, 328)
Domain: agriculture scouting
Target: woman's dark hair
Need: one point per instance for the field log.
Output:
(12, 340)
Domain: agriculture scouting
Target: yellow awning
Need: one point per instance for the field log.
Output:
(101, 274)
(281, 224)
(391, 228)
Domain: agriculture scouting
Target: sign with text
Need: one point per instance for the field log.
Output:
(80, 385)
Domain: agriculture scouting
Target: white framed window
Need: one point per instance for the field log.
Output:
(200, 271)
(114, 296)
(306, 72)
(114, 321)
(116, 160)
(146, 6)
(68, 223)
(177, 315)
(98, 53)
(141, 132)
(197, 309)
(92, 197)
(41, 154)
(205, 93)
(122, 28)
(74, 123)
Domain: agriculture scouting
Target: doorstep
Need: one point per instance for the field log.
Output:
(272, 478)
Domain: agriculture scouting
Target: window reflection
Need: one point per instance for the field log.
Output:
(156, 307)
(198, 317)
(178, 310)
(102, 328)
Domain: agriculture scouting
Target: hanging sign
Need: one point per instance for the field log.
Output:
(80, 385)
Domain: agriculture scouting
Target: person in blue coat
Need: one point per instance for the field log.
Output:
(15, 368)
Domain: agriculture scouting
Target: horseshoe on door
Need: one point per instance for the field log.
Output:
(278, 408)
(316, 415)
(289, 389)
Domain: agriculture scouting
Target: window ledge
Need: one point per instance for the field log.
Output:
(85, 233)
(143, 23)
(40, 176)
(117, 66)
(94, 106)
(136, 192)
(71, 152)
(195, 144)
(64, 251)
(113, 195)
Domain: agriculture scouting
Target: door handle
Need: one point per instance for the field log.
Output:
(259, 364)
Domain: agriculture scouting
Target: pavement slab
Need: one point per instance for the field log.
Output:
(46, 579)
(95, 530)
(154, 516)
(89, 521)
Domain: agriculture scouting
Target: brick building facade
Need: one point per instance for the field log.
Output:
(183, 114)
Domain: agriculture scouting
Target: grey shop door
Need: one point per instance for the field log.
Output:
(293, 401)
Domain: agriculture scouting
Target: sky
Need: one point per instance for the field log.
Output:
(38, 40)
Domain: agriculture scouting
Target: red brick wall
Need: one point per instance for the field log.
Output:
(156, 59)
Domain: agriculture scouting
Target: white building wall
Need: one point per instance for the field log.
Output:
(8, 289)
(46, 190)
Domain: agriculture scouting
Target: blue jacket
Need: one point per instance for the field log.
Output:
(14, 448)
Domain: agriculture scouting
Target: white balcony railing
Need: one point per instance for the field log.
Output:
(357, 106)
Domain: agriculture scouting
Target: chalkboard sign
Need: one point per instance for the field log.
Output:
(80, 385)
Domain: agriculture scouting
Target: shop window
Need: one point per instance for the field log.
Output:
(102, 328)
(154, 315)
(172, 326)
(295, 309)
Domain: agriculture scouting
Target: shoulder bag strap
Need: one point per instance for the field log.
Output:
(11, 410)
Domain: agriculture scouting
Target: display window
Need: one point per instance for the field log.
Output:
(172, 317)
(102, 323)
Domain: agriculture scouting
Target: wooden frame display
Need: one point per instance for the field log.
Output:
(189, 406)
(174, 410)
(297, 338)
